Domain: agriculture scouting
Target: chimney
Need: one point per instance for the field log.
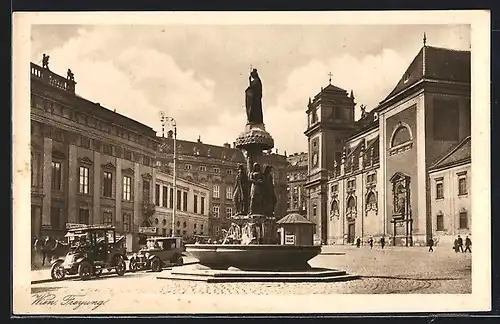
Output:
(226, 145)
(234, 144)
(170, 134)
(199, 139)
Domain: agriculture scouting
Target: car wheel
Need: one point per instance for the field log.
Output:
(121, 267)
(85, 270)
(156, 265)
(180, 260)
(132, 265)
(57, 271)
(97, 272)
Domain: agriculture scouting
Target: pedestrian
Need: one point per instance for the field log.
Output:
(455, 245)
(382, 242)
(460, 244)
(358, 242)
(468, 244)
(371, 242)
(431, 244)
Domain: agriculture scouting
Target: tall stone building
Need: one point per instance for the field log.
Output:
(382, 186)
(296, 180)
(330, 121)
(215, 166)
(89, 164)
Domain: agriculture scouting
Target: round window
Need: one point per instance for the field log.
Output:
(156, 221)
(184, 224)
(164, 222)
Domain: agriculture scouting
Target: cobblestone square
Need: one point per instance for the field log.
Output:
(394, 270)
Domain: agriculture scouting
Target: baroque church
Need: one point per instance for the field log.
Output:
(402, 171)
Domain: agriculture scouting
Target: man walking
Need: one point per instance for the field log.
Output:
(371, 242)
(358, 242)
(382, 242)
(460, 244)
(468, 244)
(431, 244)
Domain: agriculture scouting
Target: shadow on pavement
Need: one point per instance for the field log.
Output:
(413, 279)
(38, 290)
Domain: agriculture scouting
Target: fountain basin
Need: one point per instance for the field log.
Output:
(254, 257)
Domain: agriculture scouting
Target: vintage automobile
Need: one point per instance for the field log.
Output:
(92, 250)
(158, 253)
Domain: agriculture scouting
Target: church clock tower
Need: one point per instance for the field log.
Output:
(330, 121)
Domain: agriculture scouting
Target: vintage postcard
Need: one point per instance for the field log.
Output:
(251, 162)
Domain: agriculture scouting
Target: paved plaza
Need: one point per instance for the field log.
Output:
(394, 270)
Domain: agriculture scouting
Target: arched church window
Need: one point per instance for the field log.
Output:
(351, 203)
(402, 135)
(371, 202)
(334, 208)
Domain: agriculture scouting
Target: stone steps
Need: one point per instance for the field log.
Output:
(226, 276)
(208, 279)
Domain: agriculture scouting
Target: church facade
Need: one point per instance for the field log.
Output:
(371, 178)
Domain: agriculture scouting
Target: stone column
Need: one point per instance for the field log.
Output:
(72, 183)
(118, 190)
(47, 180)
(96, 215)
(138, 215)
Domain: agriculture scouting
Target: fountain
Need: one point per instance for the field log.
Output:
(251, 250)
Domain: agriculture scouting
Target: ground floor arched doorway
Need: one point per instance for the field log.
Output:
(351, 232)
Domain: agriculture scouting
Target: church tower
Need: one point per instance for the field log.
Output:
(330, 118)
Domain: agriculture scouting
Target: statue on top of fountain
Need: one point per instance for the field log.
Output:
(253, 99)
(240, 193)
(262, 197)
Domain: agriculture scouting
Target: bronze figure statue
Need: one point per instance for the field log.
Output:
(256, 191)
(70, 75)
(253, 99)
(240, 194)
(270, 199)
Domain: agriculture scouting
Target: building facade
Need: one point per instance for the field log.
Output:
(89, 165)
(191, 204)
(215, 167)
(450, 194)
(296, 180)
(381, 186)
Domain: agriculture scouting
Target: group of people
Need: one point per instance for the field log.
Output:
(370, 242)
(458, 244)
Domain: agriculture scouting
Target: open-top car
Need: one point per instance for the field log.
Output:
(92, 250)
(158, 253)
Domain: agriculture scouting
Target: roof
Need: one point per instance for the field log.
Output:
(294, 218)
(435, 63)
(201, 149)
(459, 154)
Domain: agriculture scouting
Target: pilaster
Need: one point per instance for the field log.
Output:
(47, 181)
(119, 190)
(72, 183)
(138, 215)
(96, 215)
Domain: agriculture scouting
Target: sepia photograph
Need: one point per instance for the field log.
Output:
(251, 162)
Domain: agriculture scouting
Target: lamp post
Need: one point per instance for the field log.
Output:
(172, 122)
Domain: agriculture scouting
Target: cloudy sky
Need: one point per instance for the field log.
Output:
(198, 74)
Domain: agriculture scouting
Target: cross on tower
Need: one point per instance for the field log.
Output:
(330, 79)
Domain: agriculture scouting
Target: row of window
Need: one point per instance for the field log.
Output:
(216, 211)
(165, 198)
(229, 192)
(463, 221)
(204, 168)
(84, 182)
(462, 187)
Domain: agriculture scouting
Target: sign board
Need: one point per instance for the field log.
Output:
(75, 225)
(147, 230)
(290, 239)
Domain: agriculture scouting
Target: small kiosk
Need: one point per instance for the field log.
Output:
(295, 229)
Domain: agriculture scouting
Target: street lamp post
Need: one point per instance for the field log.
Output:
(171, 121)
